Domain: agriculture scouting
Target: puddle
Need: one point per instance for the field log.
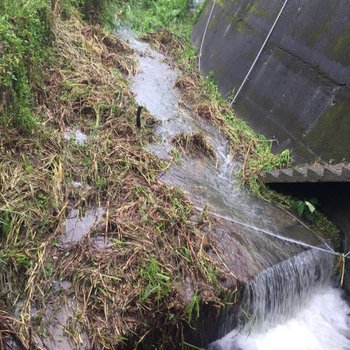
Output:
(61, 286)
(75, 134)
(207, 183)
(77, 227)
(58, 320)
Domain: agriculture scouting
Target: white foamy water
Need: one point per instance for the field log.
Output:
(323, 324)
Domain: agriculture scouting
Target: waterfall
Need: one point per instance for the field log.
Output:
(291, 305)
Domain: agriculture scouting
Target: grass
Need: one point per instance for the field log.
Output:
(148, 16)
(253, 150)
(154, 245)
(74, 75)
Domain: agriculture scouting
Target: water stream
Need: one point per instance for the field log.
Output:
(291, 301)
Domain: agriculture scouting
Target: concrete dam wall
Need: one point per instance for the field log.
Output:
(298, 93)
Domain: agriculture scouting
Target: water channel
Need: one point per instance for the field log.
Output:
(291, 302)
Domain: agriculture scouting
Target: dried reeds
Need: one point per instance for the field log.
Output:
(123, 293)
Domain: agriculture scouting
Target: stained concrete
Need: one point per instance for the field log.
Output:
(309, 174)
(299, 91)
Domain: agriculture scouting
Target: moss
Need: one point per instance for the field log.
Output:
(311, 33)
(258, 10)
(340, 50)
(330, 136)
(240, 20)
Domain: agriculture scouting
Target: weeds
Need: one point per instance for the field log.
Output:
(147, 15)
(24, 42)
(122, 291)
(305, 208)
(194, 308)
(158, 283)
(153, 245)
(252, 150)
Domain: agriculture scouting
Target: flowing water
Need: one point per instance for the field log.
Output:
(322, 324)
(288, 301)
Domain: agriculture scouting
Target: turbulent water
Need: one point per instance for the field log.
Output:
(282, 290)
(322, 324)
(293, 306)
(293, 303)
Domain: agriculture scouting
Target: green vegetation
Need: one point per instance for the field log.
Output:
(305, 208)
(60, 70)
(158, 281)
(24, 40)
(149, 15)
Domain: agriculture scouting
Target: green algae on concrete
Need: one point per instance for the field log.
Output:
(330, 136)
(340, 50)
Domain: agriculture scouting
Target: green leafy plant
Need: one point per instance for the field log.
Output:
(24, 47)
(305, 208)
(149, 15)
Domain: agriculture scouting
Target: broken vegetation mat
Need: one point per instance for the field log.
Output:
(194, 144)
(122, 295)
(201, 95)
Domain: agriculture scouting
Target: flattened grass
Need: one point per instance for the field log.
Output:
(253, 150)
(124, 292)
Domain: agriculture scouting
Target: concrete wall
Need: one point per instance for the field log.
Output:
(299, 90)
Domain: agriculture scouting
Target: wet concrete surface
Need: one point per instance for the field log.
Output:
(209, 184)
(298, 92)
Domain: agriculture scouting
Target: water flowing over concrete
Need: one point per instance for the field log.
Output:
(280, 277)
(207, 182)
(321, 325)
(282, 290)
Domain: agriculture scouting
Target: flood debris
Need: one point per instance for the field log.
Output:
(194, 143)
(114, 269)
(165, 41)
